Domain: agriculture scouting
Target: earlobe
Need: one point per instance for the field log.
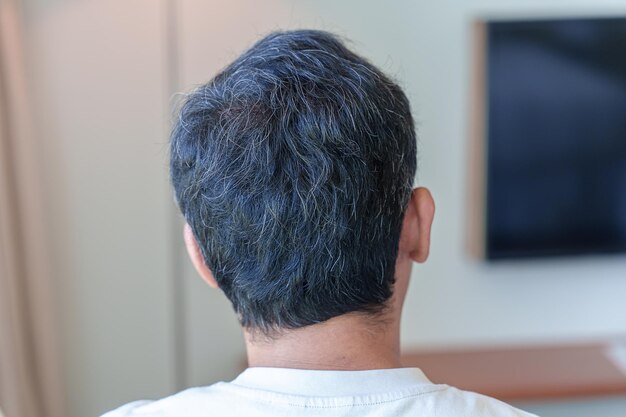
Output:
(424, 207)
(196, 257)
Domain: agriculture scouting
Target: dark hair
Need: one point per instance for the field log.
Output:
(293, 167)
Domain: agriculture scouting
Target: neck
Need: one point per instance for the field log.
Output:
(347, 342)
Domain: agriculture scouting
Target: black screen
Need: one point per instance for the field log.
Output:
(556, 137)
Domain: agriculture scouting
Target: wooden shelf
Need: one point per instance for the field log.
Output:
(527, 372)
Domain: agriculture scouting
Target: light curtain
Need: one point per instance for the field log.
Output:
(30, 377)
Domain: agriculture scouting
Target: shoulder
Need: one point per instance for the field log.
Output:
(459, 402)
(181, 403)
(445, 401)
(126, 410)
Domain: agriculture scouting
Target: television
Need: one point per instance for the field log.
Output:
(552, 118)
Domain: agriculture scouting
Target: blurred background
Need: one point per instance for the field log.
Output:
(98, 302)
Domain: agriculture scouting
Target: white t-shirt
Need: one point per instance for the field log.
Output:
(278, 392)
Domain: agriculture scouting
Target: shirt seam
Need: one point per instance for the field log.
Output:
(249, 392)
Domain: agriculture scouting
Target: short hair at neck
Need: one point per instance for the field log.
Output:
(293, 167)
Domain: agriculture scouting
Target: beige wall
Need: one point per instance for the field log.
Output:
(101, 72)
(98, 68)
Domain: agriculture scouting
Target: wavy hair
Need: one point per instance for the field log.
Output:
(293, 166)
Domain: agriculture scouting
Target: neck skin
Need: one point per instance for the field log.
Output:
(348, 342)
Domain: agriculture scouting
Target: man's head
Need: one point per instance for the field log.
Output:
(294, 168)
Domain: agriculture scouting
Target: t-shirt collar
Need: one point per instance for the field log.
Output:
(330, 383)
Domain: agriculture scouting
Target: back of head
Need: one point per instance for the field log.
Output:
(293, 167)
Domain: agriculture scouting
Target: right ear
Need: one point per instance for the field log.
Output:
(196, 257)
(418, 219)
